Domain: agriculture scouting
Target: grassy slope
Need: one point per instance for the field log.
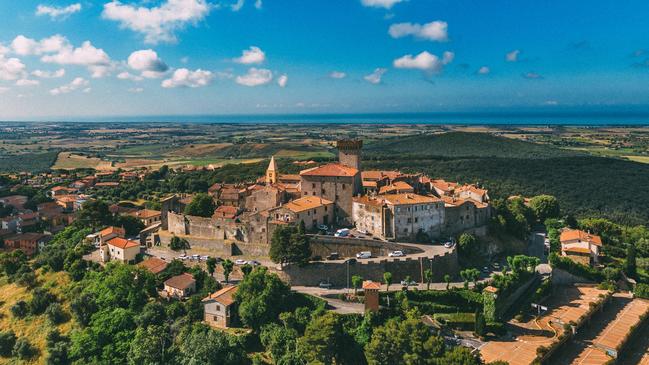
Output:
(586, 185)
(35, 328)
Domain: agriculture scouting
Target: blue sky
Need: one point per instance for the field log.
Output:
(106, 58)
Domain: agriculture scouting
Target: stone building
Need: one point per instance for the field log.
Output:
(399, 216)
(581, 247)
(271, 172)
(311, 210)
(180, 286)
(265, 197)
(335, 182)
(464, 214)
(219, 308)
(349, 153)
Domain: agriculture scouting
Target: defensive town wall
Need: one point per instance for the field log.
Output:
(348, 247)
(339, 273)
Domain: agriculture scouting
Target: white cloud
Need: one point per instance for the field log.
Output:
(386, 4)
(24, 46)
(58, 12)
(337, 75)
(76, 84)
(146, 60)
(183, 77)
(424, 61)
(129, 76)
(86, 55)
(11, 68)
(27, 82)
(484, 70)
(253, 55)
(376, 76)
(157, 24)
(513, 55)
(282, 80)
(49, 74)
(258, 4)
(3, 89)
(238, 5)
(433, 31)
(136, 90)
(255, 77)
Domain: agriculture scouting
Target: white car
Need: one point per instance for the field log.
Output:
(196, 257)
(448, 244)
(183, 257)
(364, 255)
(253, 263)
(204, 258)
(343, 232)
(396, 254)
(240, 262)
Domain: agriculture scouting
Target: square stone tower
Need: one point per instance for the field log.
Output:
(349, 153)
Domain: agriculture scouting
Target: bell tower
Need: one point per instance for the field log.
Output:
(349, 152)
(271, 172)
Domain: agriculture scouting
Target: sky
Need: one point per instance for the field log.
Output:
(99, 58)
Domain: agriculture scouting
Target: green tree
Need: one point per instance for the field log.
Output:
(94, 214)
(447, 279)
(262, 296)
(198, 344)
(227, 265)
(150, 346)
(631, 267)
(321, 339)
(467, 243)
(480, 324)
(246, 269)
(280, 342)
(211, 265)
(357, 281)
(387, 279)
(202, 205)
(544, 207)
(428, 276)
(56, 314)
(465, 277)
(178, 243)
(7, 341)
(290, 244)
(23, 349)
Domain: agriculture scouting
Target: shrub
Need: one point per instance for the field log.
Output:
(19, 310)
(497, 328)
(55, 313)
(40, 301)
(23, 349)
(7, 342)
(641, 291)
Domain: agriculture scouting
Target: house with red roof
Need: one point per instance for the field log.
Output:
(219, 308)
(119, 249)
(580, 246)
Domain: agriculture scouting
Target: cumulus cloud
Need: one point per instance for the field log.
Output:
(424, 61)
(376, 76)
(148, 63)
(76, 84)
(282, 80)
(253, 55)
(237, 5)
(58, 12)
(183, 77)
(11, 68)
(337, 75)
(27, 82)
(157, 24)
(386, 4)
(433, 31)
(24, 46)
(49, 74)
(255, 77)
(513, 55)
(484, 70)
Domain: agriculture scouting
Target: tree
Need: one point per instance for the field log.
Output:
(447, 279)
(56, 314)
(357, 281)
(227, 268)
(94, 214)
(428, 276)
(387, 279)
(321, 339)
(544, 207)
(246, 269)
(280, 342)
(290, 244)
(199, 344)
(178, 243)
(41, 300)
(467, 243)
(20, 309)
(480, 324)
(23, 349)
(7, 341)
(262, 296)
(132, 225)
(630, 260)
(202, 205)
(211, 265)
(465, 277)
(150, 346)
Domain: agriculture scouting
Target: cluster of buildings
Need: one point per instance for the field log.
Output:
(389, 205)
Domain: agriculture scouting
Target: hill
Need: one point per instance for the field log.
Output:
(586, 185)
(463, 144)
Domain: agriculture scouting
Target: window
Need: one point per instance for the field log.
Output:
(416, 219)
(409, 220)
(343, 186)
(218, 307)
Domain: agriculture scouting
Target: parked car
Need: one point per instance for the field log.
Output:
(253, 263)
(323, 227)
(396, 254)
(205, 257)
(316, 258)
(364, 255)
(448, 244)
(334, 256)
(485, 270)
(183, 257)
(408, 283)
(350, 261)
(196, 257)
(325, 285)
(343, 232)
(240, 262)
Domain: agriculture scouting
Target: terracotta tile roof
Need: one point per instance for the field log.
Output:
(473, 189)
(122, 243)
(289, 177)
(306, 203)
(396, 186)
(369, 184)
(401, 199)
(113, 230)
(30, 236)
(146, 213)
(368, 284)
(444, 185)
(224, 296)
(225, 211)
(182, 281)
(578, 235)
(107, 184)
(332, 169)
(491, 289)
(154, 265)
(365, 199)
(379, 175)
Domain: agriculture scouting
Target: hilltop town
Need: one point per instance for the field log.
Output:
(309, 249)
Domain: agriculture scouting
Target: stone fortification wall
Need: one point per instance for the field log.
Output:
(218, 248)
(373, 269)
(349, 247)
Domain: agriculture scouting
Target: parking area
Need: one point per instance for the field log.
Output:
(567, 304)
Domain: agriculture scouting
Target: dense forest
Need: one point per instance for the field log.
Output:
(585, 185)
(30, 162)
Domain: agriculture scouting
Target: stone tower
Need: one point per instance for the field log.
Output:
(271, 172)
(349, 153)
